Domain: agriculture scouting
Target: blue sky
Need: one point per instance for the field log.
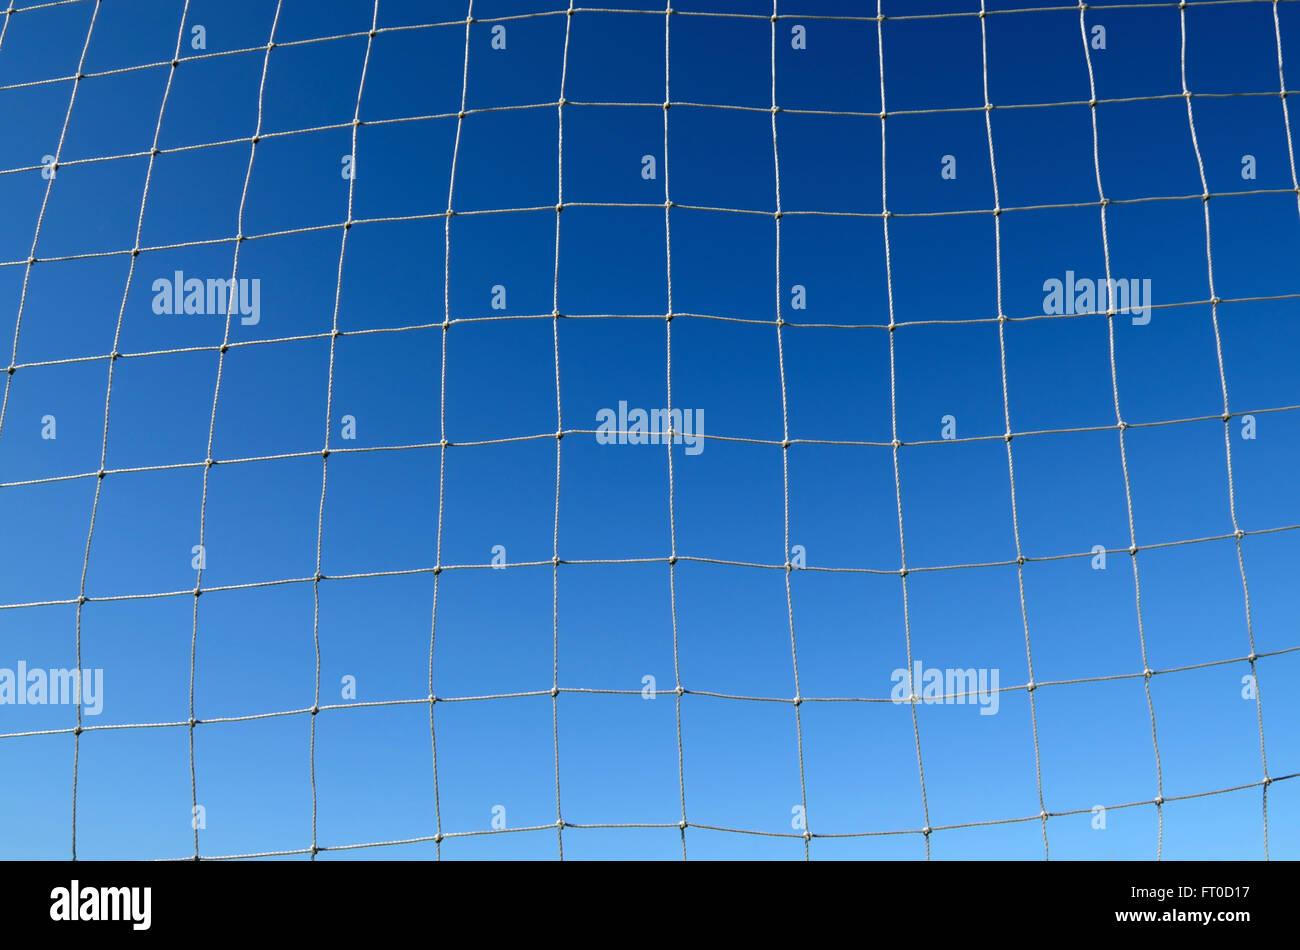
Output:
(495, 631)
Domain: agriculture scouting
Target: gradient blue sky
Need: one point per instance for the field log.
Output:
(494, 634)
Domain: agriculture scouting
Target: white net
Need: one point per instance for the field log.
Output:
(705, 619)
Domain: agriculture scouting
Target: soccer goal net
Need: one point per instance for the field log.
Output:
(766, 430)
